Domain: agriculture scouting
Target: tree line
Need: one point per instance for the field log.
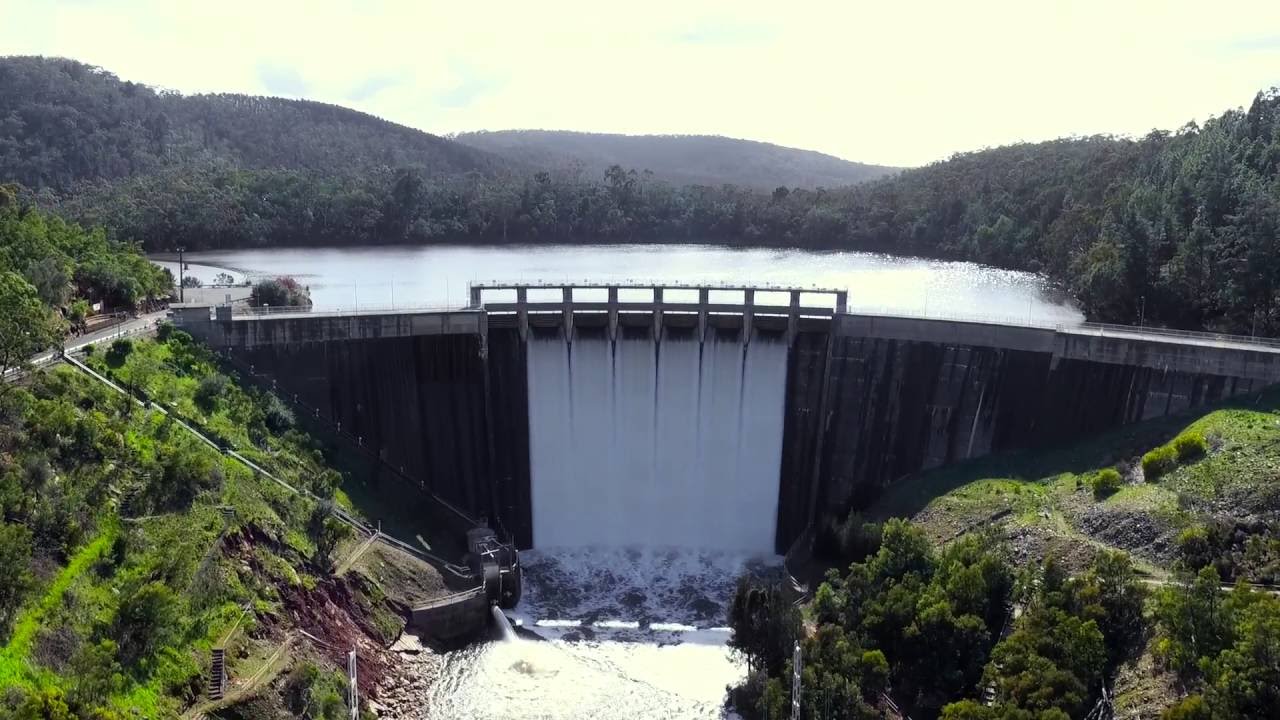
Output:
(52, 273)
(1176, 228)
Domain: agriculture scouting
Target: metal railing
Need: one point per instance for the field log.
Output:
(1029, 321)
(984, 319)
(246, 311)
(631, 284)
(1078, 328)
(1209, 337)
(451, 598)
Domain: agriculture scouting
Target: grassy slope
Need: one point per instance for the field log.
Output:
(185, 547)
(1046, 494)
(1043, 501)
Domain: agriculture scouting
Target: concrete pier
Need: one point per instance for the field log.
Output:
(658, 305)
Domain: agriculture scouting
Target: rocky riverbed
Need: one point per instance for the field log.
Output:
(404, 691)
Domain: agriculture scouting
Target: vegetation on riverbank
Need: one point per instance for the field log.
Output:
(1145, 563)
(935, 631)
(1214, 506)
(130, 548)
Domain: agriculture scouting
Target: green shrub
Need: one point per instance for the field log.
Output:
(1190, 445)
(146, 620)
(210, 389)
(1159, 462)
(1190, 708)
(315, 692)
(120, 350)
(850, 540)
(1106, 482)
(88, 349)
(280, 292)
(1195, 547)
(275, 414)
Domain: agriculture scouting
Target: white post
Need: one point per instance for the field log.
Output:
(795, 684)
(355, 692)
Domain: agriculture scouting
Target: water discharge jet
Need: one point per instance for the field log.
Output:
(506, 632)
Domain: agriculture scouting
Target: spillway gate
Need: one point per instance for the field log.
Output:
(619, 304)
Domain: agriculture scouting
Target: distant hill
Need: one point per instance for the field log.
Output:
(63, 122)
(678, 159)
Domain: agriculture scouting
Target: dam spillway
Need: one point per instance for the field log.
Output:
(672, 443)
(683, 418)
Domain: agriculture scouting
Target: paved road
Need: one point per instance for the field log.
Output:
(141, 325)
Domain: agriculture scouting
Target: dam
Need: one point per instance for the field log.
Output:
(717, 417)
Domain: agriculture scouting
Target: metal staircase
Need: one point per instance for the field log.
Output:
(218, 674)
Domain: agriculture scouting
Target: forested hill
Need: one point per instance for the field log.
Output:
(1179, 228)
(678, 159)
(63, 122)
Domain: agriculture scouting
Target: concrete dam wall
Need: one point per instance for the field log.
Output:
(897, 407)
(707, 427)
(423, 404)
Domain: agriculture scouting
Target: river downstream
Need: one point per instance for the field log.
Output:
(637, 633)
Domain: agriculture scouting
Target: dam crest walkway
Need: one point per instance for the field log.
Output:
(788, 310)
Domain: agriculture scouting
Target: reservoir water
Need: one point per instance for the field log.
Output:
(383, 277)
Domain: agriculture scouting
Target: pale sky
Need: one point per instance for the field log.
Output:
(898, 83)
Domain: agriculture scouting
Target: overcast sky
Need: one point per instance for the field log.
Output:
(899, 83)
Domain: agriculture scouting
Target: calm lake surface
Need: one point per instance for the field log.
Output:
(384, 277)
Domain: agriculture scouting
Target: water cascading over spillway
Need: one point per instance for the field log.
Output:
(672, 443)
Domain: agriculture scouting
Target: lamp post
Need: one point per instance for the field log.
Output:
(182, 285)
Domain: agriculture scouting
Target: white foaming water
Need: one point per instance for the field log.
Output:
(635, 633)
(637, 443)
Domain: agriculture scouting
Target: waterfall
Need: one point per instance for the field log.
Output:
(504, 625)
(640, 443)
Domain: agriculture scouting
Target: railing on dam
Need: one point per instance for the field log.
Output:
(1192, 336)
(286, 311)
(657, 300)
